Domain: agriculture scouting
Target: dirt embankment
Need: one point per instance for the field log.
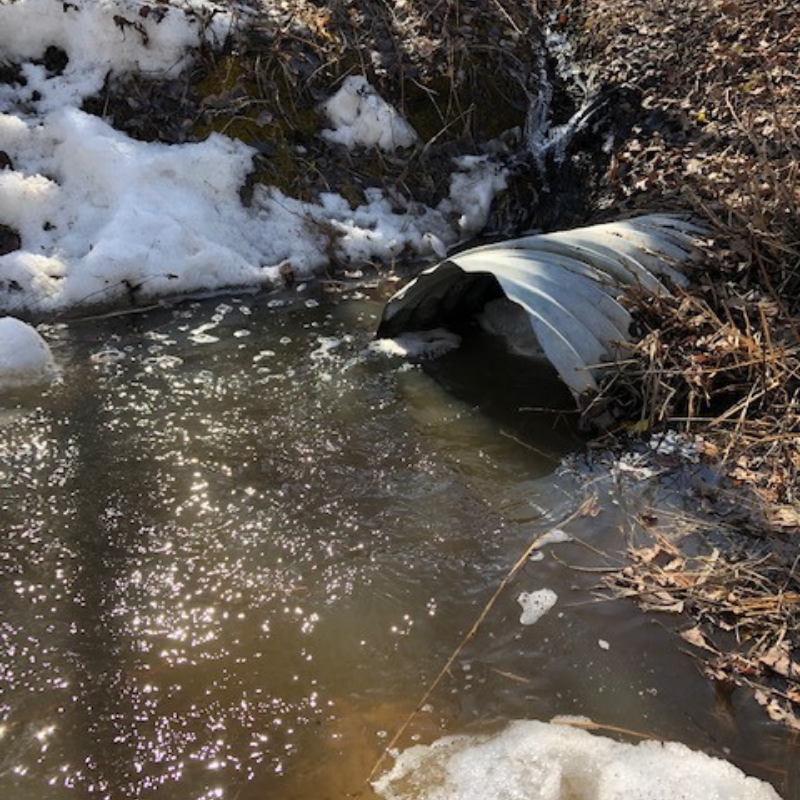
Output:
(719, 130)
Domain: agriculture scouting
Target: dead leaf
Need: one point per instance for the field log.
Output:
(778, 659)
(695, 637)
(785, 517)
(663, 602)
(647, 554)
(776, 710)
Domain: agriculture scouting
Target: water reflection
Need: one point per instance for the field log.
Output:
(236, 547)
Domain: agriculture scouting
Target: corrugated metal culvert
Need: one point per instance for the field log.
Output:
(554, 296)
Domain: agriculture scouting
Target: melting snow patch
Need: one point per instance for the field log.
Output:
(537, 761)
(361, 117)
(535, 605)
(24, 355)
(107, 220)
(472, 190)
(98, 37)
(116, 217)
(672, 443)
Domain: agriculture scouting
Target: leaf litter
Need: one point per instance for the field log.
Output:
(741, 600)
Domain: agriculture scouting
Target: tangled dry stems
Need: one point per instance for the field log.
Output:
(718, 136)
(744, 607)
(736, 377)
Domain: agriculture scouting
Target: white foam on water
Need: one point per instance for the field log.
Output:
(555, 536)
(535, 605)
(419, 345)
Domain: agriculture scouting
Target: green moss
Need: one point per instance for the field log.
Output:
(257, 105)
(474, 98)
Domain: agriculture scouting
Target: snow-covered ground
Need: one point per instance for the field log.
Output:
(105, 220)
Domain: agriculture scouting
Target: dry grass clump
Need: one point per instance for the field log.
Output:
(733, 373)
(754, 211)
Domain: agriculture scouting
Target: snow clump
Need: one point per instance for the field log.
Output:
(24, 355)
(103, 217)
(361, 117)
(540, 761)
(472, 189)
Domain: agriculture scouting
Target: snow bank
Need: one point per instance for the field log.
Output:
(539, 761)
(361, 117)
(24, 355)
(107, 220)
(115, 217)
(103, 218)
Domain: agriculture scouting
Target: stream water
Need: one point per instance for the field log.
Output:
(237, 546)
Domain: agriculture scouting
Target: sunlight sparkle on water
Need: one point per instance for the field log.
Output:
(223, 583)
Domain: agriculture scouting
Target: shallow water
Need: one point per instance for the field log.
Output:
(237, 547)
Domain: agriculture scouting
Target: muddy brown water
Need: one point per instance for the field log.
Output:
(236, 547)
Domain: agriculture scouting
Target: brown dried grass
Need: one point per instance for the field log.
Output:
(729, 370)
(744, 608)
(719, 136)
